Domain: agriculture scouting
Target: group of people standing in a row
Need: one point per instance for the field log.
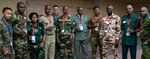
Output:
(52, 36)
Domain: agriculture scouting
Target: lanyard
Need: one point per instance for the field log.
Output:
(96, 18)
(49, 19)
(9, 29)
(32, 29)
(128, 22)
(64, 19)
(107, 18)
(81, 18)
(22, 20)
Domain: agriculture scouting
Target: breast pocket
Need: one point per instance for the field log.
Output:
(85, 22)
(135, 24)
(123, 24)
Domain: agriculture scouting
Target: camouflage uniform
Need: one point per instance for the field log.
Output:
(111, 26)
(20, 41)
(39, 31)
(145, 37)
(6, 39)
(64, 30)
(95, 37)
(50, 39)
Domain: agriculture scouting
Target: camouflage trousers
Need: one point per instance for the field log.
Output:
(10, 56)
(95, 42)
(65, 44)
(109, 41)
(7, 57)
(21, 48)
(36, 52)
(145, 50)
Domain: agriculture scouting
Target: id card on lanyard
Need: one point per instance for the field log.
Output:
(128, 23)
(23, 23)
(33, 37)
(97, 19)
(80, 25)
(49, 19)
(9, 29)
(107, 22)
(63, 23)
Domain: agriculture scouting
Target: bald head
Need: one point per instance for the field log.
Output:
(144, 11)
(47, 9)
(80, 10)
(129, 9)
(109, 9)
(21, 7)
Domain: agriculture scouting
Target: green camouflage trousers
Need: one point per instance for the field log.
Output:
(65, 44)
(146, 50)
(95, 42)
(10, 56)
(21, 48)
(36, 52)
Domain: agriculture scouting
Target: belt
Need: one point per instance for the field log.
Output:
(50, 32)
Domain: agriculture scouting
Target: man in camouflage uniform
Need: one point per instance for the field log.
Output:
(111, 26)
(20, 32)
(145, 32)
(65, 33)
(50, 39)
(95, 25)
(6, 46)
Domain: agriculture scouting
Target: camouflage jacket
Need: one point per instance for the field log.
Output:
(19, 24)
(65, 28)
(5, 35)
(38, 32)
(145, 26)
(92, 22)
(111, 25)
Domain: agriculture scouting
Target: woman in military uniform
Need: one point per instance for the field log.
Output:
(36, 33)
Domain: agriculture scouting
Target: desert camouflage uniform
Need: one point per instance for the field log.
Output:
(110, 37)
